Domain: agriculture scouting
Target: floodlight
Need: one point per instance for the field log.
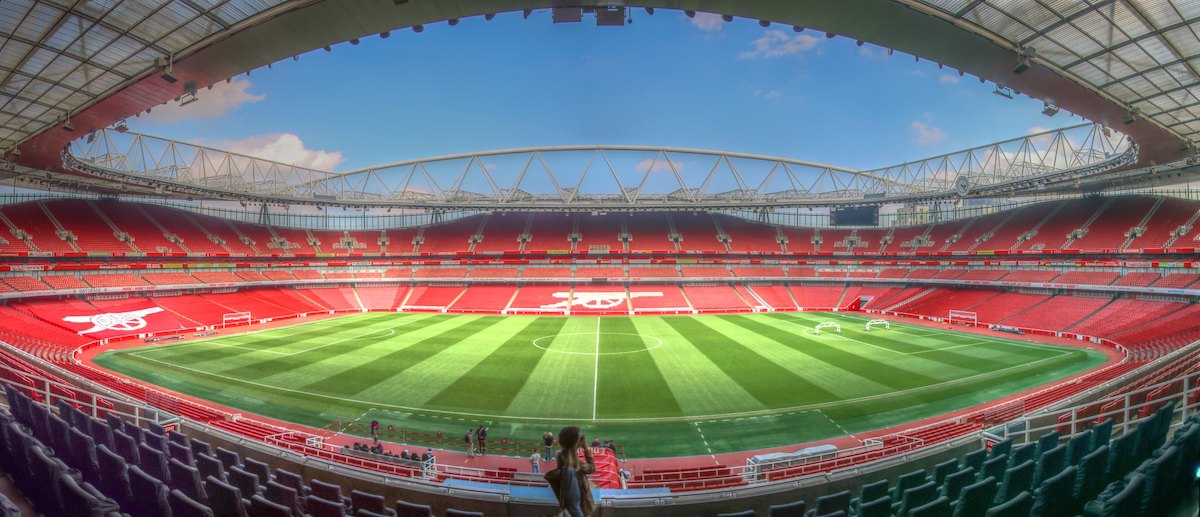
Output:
(1131, 116)
(1003, 91)
(121, 126)
(168, 75)
(727, 17)
(190, 99)
(764, 23)
(1049, 110)
(1023, 64)
(418, 28)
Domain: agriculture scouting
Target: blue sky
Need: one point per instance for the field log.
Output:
(664, 80)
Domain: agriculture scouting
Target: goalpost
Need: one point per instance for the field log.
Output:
(962, 318)
(236, 318)
(828, 325)
(878, 323)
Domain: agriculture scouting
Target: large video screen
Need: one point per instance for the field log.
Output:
(857, 216)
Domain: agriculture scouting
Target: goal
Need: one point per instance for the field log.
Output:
(235, 318)
(878, 323)
(828, 325)
(962, 318)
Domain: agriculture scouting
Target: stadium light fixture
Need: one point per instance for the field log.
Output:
(67, 125)
(764, 23)
(690, 14)
(168, 69)
(489, 16)
(188, 99)
(418, 28)
(452, 21)
(1131, 116)
(727, 17)
(1024, 60)
(1049, 109)
(1003, 91)
(121, 126)
(650, 11)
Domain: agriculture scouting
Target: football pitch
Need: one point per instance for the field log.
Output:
(658, 386)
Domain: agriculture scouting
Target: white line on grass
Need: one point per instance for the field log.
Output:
(596, 371)
(839, 426)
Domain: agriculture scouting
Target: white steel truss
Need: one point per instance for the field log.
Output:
(600, 177)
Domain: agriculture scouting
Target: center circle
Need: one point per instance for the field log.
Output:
(537, 343)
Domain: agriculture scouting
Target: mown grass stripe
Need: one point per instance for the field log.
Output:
(309, 355)
(879, 371)
(967, 361)
(769, 383)
(354, 380)
(202, 353)
(619, 398)
(495, 381)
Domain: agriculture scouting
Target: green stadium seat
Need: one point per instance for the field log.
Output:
(1078, 447)
(908, 481)
(1121, 453)
(1001, 448)
(831, 503)
(976, 498)
(994, 468)
(1048, 441)
(1050, 463)
(1126, 500)
(1016, 480)
(975, 459)
(1161, 473)
(1019, 455)
(1019, 506)
(792, 509)
(1102, 433)
(870, 492)
(881, 507)
(914, 498)
(1055, 497)
(939, 507)
(957, 481)
(743, 513)
(1092, 474)
(943, 469)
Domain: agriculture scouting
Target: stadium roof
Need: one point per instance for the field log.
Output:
(100, 62)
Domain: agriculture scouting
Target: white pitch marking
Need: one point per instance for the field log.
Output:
(596, 371)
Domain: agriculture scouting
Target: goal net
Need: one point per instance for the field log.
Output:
(235, 318)
(878, 323)
(828, 325)
(962, 318)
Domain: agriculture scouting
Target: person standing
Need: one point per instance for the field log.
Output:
(535, 460)
(375, 431)
(481, 439)
(574, 491)
(548, 441)
(470, 439)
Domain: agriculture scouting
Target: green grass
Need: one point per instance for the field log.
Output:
(660, 386)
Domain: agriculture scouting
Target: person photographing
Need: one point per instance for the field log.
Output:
(569, 481)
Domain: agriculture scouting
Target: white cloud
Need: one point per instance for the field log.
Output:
(948, 79)
(215, 103)
(284, 148)
(708, 22)
(660, 165)
(768, 94)
(777, 43)
(926, 133)
(872, 52)
(1044, 139)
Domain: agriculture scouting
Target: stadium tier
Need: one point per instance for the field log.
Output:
(1072, 299)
